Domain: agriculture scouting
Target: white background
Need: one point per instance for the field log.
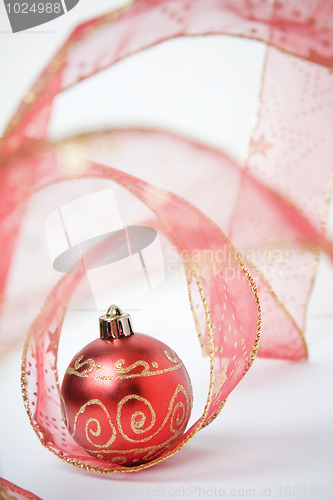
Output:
(274, 437)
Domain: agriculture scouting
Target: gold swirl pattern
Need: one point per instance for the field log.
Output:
(158, 450)
(150, 451)
(79, 363)
(119, 460)
(96, 432)
(177, 414)
(173, 358)
(177, 418)
(63, 410)
(136, 425)
(119, 366)
(124, 372)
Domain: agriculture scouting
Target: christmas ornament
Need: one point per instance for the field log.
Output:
(215, 197)
(125, 397)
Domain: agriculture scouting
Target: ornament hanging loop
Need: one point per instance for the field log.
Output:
(116, 309)
(115, 324)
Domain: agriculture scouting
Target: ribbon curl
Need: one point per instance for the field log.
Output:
(264, 198)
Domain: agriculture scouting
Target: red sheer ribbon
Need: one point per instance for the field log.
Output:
(226, 210)
(9, 491)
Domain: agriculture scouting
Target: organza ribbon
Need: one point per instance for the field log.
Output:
(224, 210)
(9, 491)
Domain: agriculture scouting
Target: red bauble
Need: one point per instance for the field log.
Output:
(126, 398)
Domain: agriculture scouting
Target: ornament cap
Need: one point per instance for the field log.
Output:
(115, 324)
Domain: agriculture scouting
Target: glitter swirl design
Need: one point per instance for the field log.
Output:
(176, 413)
(93, 426)
(30, 163)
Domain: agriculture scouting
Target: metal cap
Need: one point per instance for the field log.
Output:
(115, 324)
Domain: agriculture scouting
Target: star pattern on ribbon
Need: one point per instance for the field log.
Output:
(260, 146)
(53, 344)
